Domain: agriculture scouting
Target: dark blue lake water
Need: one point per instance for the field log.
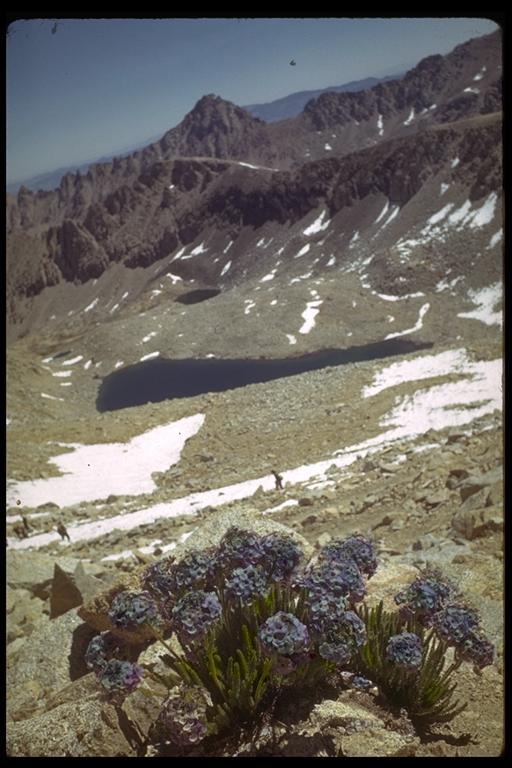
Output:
(160, 379)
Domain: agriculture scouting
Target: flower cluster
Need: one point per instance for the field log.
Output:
(357, 548)
(119, 678)
(458, 625)
(283, 634)
(339, 578)
(183, 717)
(342, 638)
(405, 650)
(425, 597)
(100, 650)
(239, 548)
(194, 614)
(131, 610)
(246, 583)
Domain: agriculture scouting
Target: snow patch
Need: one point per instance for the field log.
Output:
(225, 268)
(175, 278)
(332, 260)
(149, 336)
(62, 374)
(485, 214)
(455, 162)
(444, 188)
(327, 147)
(92, 472)
(87, 365)
(394, 213)
(73, 360)
(149, 357)
(51, 397)
(410, 118)
(91, 305)
(309, 315)
(383, 212)
(485, 299)
(436, 217)
(380, 126)
(303, 250)
(119, 364)
(317, 225)
(291, 338)
(495, 239)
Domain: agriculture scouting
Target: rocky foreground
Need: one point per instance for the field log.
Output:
(437, 501)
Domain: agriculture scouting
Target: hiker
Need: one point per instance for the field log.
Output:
(279, 480)
(61, 529)
(26, 524)
(20, 531)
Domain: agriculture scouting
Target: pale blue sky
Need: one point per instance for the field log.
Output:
(96, 87)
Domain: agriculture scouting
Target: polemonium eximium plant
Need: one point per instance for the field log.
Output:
(253, 620)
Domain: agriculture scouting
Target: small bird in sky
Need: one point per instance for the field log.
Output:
(293, 63)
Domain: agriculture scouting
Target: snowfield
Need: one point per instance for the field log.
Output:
(93, 472)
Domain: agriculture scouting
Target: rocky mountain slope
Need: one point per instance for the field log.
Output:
(140, 209)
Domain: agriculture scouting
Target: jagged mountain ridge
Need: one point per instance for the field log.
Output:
(118, 214)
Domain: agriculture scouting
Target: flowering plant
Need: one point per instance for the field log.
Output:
(253, 620)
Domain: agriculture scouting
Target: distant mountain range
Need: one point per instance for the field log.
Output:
(51, 179)
(292, 105)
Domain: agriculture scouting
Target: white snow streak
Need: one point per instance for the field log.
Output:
(51, 397)
(419, 324)
(91, 305)
(225, 268)
(383, 212)
(309, 315)
(380, 126)
(73, 360)
(291, 338)
(149, 357)
(410, 118)
(303, 250)
(175, 278)
(495, 239)
(317, 225)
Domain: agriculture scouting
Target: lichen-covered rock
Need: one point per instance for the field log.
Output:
(81, 728)
(52, 659)
(387, 581)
